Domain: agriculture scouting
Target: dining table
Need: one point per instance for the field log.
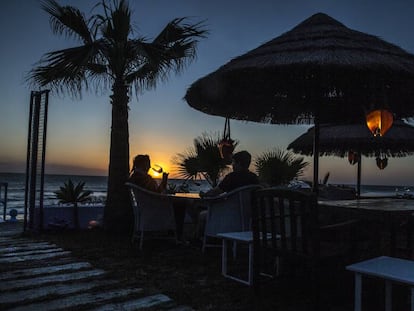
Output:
(185, 195)
(385, 214)
(190, 200)
(187, 206)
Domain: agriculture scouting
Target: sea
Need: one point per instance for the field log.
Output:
(98, 186)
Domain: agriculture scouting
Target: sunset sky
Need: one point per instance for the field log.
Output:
(161, 122)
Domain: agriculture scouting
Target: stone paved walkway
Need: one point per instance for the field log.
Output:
(41, 276)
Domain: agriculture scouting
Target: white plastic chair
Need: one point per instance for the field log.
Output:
(152, 212)
(228, 212)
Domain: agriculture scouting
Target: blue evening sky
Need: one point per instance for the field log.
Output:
(161, 122)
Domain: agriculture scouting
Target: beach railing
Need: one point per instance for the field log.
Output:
(3, 197)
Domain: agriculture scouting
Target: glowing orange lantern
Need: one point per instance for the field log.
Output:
(379, 121)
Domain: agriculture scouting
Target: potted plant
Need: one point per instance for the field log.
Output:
(204, 159)
(69, 193)
(278, 167)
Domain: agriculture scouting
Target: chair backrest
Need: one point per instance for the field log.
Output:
(287, 234)
(152, 211)
(230, 212)
(285, 223)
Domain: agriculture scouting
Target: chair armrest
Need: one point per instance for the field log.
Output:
(236, 191)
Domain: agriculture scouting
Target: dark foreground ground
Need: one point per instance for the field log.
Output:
(194, 279)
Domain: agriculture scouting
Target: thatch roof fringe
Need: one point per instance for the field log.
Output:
(337, 140)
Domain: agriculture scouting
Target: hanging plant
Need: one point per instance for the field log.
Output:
(226, 145)
(381, 159)
(382, 162)
(353, 157)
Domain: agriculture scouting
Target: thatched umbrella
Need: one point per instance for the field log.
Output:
(341, 139)
(320, 71)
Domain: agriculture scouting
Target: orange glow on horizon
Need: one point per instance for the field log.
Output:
(158, 158)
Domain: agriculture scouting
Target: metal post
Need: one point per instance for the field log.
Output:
(36, 151)
(42, 175)
(358, 291)
(29, 152)
(4, 199)
(359, 175)
(315, 185)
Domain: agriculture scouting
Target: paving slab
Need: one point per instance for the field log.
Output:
(31, 272)
(19, 296)
(11, 230)
(13, 241)
(136, 304)
(37, 281)
(32, 252)
(27, 246)
(75, 301)
(37, 275)
(33, 257)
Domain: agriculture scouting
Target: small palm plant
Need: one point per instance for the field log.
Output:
(70, 193)
(278, 167)
(202, 160)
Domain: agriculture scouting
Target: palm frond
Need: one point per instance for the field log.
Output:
(186, 164)
(277, 166)
(202, 159)
(67, 20)
(108, 53)
(171, 50)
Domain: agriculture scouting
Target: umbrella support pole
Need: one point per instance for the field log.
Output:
(316, 156)
(359, 175)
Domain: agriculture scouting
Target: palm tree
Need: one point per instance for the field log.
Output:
(70, 193)
(277, 167)
(108, 57)
(203, 159)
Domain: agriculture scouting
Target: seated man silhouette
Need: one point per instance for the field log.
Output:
(240, 176)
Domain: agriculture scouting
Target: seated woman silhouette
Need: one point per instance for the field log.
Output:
(140, 177)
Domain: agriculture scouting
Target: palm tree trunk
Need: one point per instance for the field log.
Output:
(118, 210)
